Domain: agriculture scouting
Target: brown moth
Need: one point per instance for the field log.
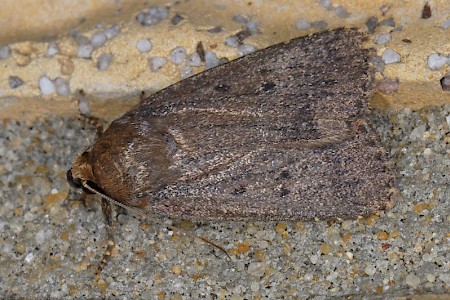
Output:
(279, 134)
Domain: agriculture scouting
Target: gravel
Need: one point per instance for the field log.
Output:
(5, 52)
(46, 85)
(211, 60)
(390, 56)
(437, 61)
(85, 51)
(53, 49)
(15, 82)
(104, 61)
(144, 45)
(52, 241)
(178, 55)
(156, 63)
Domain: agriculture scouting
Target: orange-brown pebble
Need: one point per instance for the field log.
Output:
(325, 248)
(260, 254)
(233, 251)
(346, 237)
(54, 198)
(176, 270)
(394, 233)
(20, 248)
(300, 227)
(66, 65)
(145, 226)
(18, 211)
(382, 235)
(101, 284)
(419, 207)
(161, 295)
(141, 254)
(281, 228)
(372, 219)
(64, 235)
(243, 247)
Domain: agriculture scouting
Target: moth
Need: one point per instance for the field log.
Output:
(279, 134)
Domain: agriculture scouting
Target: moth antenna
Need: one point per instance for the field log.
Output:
(111, 200)
(205, 240)
(83, 108)
(214, 245)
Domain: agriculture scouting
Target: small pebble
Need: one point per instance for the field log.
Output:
(98, 39)
(388, 86)
(341, 12)
(176, 19)
(62, 87)
(245, 49)
(257, 269)
(40, 237)
(112, 31)
(349, 255)
(85, 51)
(371, 24)
(178, 55)
(82, 40)
(445, 82)
(370, 270)
(378, 63)
(302, 25)
(156, 63)
(447, 119)
(186, 72)
(29, 258)
(446, 24)
(240, 19)
(195, 60)
(254, 286)
(390, 56)
(431, 277)
(14, 82)
(232, 41)
(52, 49)
(426, 11)
(153, 16)
(320, 25)
(211, 60)
(388, 22)
(252, 26)
(382, 38)
(437, 61)
(417, 133)
(83, 106)
(427, 152)
(46, 86)
(103, 61)
(326, 3)
(144, 45)
(412, 280)
(5, 52)
(445, 278)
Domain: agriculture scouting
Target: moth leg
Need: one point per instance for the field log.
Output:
(84, 109)
(107, 213)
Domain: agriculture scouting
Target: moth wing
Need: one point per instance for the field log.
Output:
(270, 135)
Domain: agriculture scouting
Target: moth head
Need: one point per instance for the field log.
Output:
(80, 172)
